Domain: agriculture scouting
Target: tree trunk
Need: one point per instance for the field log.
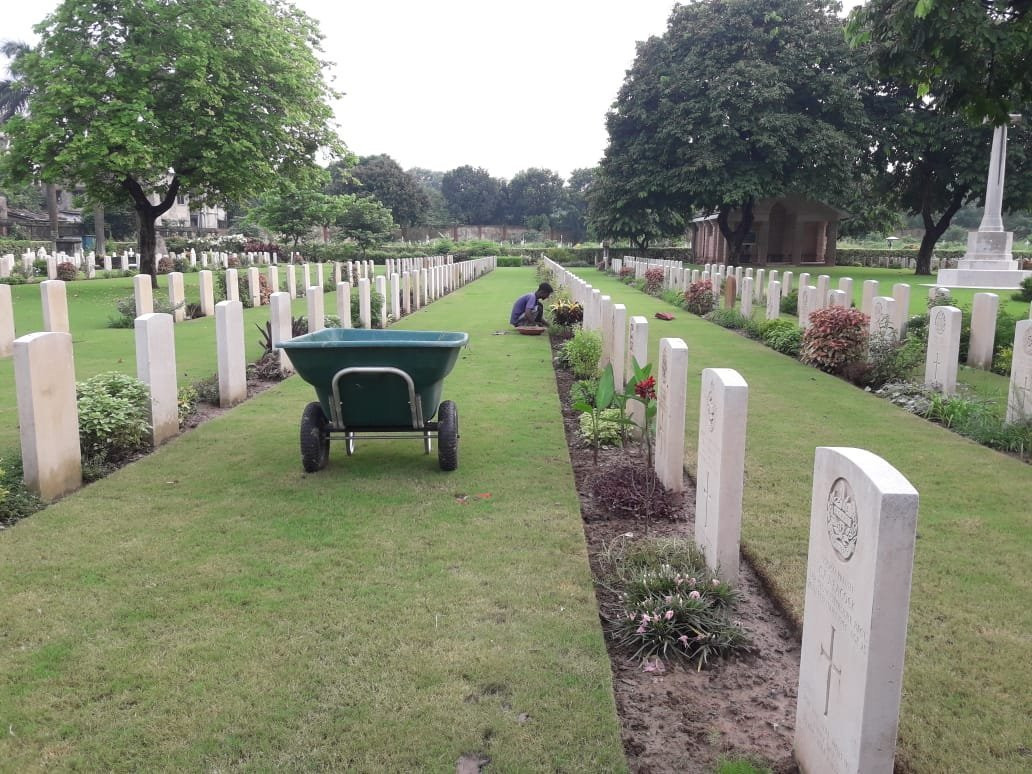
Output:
(735, 237)
(55, 228)
(100, 227)
(935, 229)
(147, 215)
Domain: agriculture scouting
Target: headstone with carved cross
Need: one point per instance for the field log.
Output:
(863, 525)
(944, 324)
(1019, 400)
(720, 469)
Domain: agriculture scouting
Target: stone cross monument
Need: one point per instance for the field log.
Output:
(988, 262)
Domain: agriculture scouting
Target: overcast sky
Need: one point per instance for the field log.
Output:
(441, 83)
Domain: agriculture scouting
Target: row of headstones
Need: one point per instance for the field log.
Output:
(44, 375)
(863, 522)
(216, 260)
(885, 313)
(410, 289)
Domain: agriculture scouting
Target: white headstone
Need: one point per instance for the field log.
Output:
(823, 288)
(773, 300)
(48, 416)
(6, 321)
(282, 328)
(176, 296)
(344, 304)
(316, 309)
(254, 287)
(671, 393)
(637, 352)
(870, 290)
(618, 339)
(747, 297)
(883, 311)
(55, 306)
(395, 296)
(944, 323)
(720, 473)
(206, 286)
(231, 357)
(272, 272)
(845, 284)
(901, 310)
(786, 283)
(291, 280)
(838, 298)
(306, 275)
(232, 285)
(365, 313)
(156, 367)
(863, 522)
(983, 330)
(1019, 396)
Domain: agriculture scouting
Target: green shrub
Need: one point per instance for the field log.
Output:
(509, 261)
(728, 318)
(208, 389)
(836, 339)
(604, 428)
(113, 411)
(16, 501)
(187, 403)
(1025, 292)
(888, 360)
(14, 279)
(790, 303)
(584, 351)
(698, 299)
(653, 280)
(565, 312)
(126, 308)
(782, 336)
(671, 606)
(1003, 361)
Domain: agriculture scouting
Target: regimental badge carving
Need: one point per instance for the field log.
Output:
(1027, 342)
(940, 321)
(879, 309)
(711, 409)
(843, 523)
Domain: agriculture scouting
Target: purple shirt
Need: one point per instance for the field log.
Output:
(523, 305)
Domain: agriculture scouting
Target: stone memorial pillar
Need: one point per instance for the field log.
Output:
(156, 367)
(344, 304)
(637, 352)
(231, 357)
(381, 288)
(282, 329)
(720, 474)
(671, 394)
(55, 306)
(863, 522)
(48, 417)
(365, 310)
(176, 297)
(1019, 396)
(983, 330)
(944, 323)
(316, 308)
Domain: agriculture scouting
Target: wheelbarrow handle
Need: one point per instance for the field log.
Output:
(415, 405)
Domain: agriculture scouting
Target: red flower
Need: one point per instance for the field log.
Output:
(646, 389)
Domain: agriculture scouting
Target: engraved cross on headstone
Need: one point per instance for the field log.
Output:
(706, 500)
(830, 655)
(938, 362)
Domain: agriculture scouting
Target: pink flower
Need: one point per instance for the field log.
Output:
(691, 581)
(641, 629)
(645, 618)
(683, 639)
(668, 600)
(716, 581)
(694, 595)
(669, 614)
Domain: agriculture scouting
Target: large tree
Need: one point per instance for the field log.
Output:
(151, 99)
(617, 211)
(970, 56)
(533, 192)
(472, 195)
(293, 213)
(383, 178)
(739, 100)
(365, 221)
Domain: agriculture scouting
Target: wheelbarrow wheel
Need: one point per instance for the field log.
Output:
(448, 436)
(315, 438)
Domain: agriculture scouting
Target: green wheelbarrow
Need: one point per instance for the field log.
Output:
(376, 384)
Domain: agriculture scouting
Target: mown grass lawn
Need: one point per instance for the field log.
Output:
(212, 607)
(967, 703)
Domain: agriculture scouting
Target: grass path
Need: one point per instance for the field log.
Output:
(212, 607)
(967, 703)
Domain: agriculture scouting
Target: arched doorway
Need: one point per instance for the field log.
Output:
(776, 234)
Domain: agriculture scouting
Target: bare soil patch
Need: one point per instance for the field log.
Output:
(681, 719)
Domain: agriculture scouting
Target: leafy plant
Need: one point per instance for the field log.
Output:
(208, 390)
(698, 298)
(113, 410)
(653, 281)
(566, 313)
(728, 318)
(597, 426)
(888, 360)
(584, 351)
(671, 606)
(782, 336)
(626, 274)
(790, 303)
(836, 338)
(187, 401)
(1024, 293)
(66, 271)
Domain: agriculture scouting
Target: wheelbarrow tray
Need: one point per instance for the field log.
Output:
(376, 401)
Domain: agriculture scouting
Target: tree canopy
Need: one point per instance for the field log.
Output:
(471, 194)
(968, 56)
(149, 99)
(739, 100)
(383, 178)
(533, 192)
